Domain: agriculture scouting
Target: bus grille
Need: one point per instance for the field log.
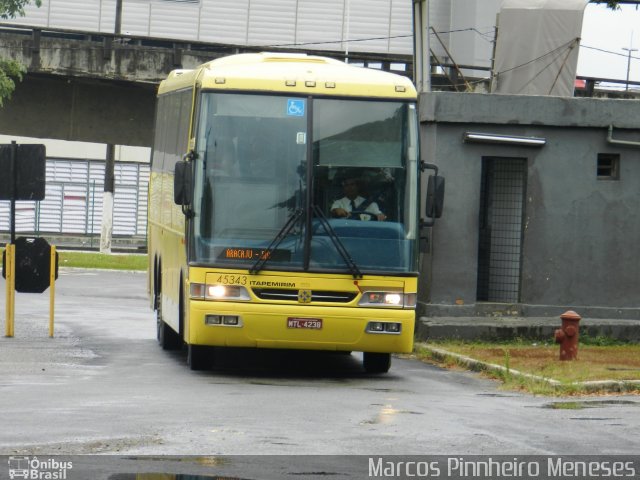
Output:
(292, 295)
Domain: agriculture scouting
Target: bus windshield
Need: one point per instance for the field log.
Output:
(308, 177)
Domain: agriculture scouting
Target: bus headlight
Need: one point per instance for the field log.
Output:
(226, 292)
(388, 299)
(201, 291)
(216, 291)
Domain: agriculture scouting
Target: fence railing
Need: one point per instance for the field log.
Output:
(73, 200)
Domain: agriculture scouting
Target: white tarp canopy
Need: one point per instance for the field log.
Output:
(537, 47)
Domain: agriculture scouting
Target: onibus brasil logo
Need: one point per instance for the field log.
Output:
(33, 468)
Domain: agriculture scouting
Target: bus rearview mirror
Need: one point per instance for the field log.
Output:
(435, 196)
(182, 185)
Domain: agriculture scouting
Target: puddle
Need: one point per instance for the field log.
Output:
(593, 419)
(387, 415)
(385, 390)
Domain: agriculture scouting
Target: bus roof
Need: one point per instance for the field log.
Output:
(295, 73)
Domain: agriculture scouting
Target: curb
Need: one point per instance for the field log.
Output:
(602, 386)
(534, 328)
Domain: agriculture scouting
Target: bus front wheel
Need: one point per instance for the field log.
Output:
(376, 362)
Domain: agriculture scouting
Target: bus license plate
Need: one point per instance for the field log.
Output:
(311, 323)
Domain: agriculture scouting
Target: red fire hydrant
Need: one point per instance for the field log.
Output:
(567, 336)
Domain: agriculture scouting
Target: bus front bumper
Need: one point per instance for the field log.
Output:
(301, 327)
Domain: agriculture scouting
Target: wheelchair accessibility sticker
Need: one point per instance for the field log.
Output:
(295, 107)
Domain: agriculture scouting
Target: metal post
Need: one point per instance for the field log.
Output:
(52, 288)
(118, 27)
(14, 185)
(10, 249)
(93, 208)
(629, 50)
(422, 51)
(348, 26)
(37, 219)
(10, 270)
(13, 289)
(107, 201)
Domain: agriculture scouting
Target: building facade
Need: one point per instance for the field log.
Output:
(72, 209)
(381, 26)
(541, 208)
(466, 28)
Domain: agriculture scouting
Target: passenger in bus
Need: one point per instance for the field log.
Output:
(353, 205)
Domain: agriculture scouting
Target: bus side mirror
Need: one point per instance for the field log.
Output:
(435, 196)
(182, 183)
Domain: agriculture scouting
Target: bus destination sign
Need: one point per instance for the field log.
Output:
(253, 254)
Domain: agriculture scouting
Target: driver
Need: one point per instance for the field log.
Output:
(352, 205)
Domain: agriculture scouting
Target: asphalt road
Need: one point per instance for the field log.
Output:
(103, 385)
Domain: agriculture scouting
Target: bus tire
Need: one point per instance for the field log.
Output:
(167, 337)
(376, 362)
(198, 357)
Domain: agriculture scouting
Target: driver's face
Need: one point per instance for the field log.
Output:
(350, 188)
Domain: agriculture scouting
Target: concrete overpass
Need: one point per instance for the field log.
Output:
(101, 87)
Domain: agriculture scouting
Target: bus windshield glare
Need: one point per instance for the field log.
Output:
(308, 177)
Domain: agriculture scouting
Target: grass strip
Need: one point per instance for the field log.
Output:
(536, 369)
(100, 260)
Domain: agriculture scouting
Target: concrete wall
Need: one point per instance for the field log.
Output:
(80, 109)
(581, 234)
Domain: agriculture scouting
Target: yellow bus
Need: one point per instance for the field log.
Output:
(284, 208)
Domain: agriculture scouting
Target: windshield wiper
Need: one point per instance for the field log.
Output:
(284, 231)
(344, 253)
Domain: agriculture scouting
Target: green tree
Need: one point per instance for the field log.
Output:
(612, 4)
(10, 70)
